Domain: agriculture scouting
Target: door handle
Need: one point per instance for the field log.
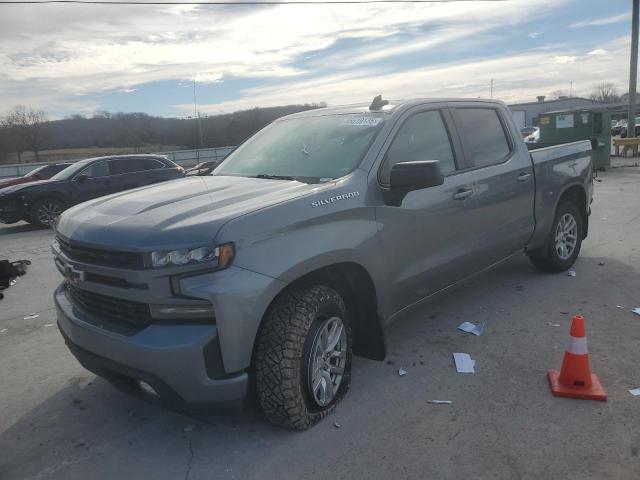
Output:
(462, 194)
(524, 176)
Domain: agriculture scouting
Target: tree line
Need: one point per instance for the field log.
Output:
(25, 129)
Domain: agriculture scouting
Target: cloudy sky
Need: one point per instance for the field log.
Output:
(68, 59)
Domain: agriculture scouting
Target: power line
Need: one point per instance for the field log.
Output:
(241, 2)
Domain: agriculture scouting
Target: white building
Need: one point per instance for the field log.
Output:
(526, 113)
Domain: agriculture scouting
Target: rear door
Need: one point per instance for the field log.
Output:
(128, 173)
(503, 180)
(426, 241)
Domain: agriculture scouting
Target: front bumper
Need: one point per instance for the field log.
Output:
(10, 213)
(175, 360)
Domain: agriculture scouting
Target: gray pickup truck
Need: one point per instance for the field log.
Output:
(303, 245)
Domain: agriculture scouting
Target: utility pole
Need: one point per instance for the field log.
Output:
(633, 74)
(571, 89)
(492, 88)
(196, 115)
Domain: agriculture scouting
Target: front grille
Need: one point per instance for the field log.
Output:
(135, 314)
(97, 256)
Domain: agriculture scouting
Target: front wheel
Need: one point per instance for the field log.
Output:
(303, 357)
(564, 242)
(45, 211)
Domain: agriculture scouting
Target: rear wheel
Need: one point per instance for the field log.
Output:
(45, 211)
(563, 246)
(303, 357)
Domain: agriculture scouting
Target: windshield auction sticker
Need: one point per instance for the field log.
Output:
(362, 121)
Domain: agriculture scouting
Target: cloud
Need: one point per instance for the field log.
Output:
(106, 48)
(602, 21)
(597, 51)
(516, 78)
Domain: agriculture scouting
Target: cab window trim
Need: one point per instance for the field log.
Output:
(471, 166)
(442, 110)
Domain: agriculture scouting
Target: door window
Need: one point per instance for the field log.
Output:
(483, 134)
(95, 170)
(422, 136)
(126, 165)
(151, 164)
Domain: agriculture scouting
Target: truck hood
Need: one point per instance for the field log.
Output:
(179, 213)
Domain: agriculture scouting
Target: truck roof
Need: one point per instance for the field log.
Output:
(393, 106)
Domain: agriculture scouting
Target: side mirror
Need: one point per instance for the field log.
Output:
(408, 176)
(81, 178)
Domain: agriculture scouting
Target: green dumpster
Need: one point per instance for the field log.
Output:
(581, 124)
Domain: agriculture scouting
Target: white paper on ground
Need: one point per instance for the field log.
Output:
(636, 310)
(471, 328)
(635, 392)
(464, 363)
(440, 402)
(571, 273)
(402, 372)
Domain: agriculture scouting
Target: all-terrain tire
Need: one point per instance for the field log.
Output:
(284, 351)
(549, 260)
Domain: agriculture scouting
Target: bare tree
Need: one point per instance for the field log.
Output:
(605, 92)
(29, 125)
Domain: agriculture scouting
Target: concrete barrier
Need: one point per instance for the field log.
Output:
(186, 158)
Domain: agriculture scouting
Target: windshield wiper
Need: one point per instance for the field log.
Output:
(275, 177)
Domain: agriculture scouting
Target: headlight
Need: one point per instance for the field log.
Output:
(220, 256)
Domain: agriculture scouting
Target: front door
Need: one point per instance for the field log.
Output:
(92, 182)
(427, 241)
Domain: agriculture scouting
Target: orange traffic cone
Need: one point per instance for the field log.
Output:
(575, 379)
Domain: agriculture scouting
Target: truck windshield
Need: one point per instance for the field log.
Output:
(307, 149)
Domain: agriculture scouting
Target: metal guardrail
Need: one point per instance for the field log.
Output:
(185, 158)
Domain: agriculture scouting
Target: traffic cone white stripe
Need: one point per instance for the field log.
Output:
(577, 345)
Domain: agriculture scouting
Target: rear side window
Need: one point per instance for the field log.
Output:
(151, 164)
(422, 136)
(483, 135)
(126, 165)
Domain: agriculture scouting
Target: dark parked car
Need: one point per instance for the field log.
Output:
(41, 202)
(204, 168)
(41, 173)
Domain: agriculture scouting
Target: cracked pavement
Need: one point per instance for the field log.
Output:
(61, 422)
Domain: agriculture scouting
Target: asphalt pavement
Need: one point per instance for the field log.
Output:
(59, 421)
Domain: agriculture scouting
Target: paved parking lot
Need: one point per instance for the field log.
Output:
(59, 421)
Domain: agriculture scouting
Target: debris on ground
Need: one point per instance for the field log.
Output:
(471, 328)
(10, 271)
(619, 306)
(601, 263)
(571, 273)
(48, 324)
(553, 324)
(464, 363)
(3, 330)
(337, 425)
(635, 392)
(402, 372)
(636, 310)
(31, 316)
(440, 402)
